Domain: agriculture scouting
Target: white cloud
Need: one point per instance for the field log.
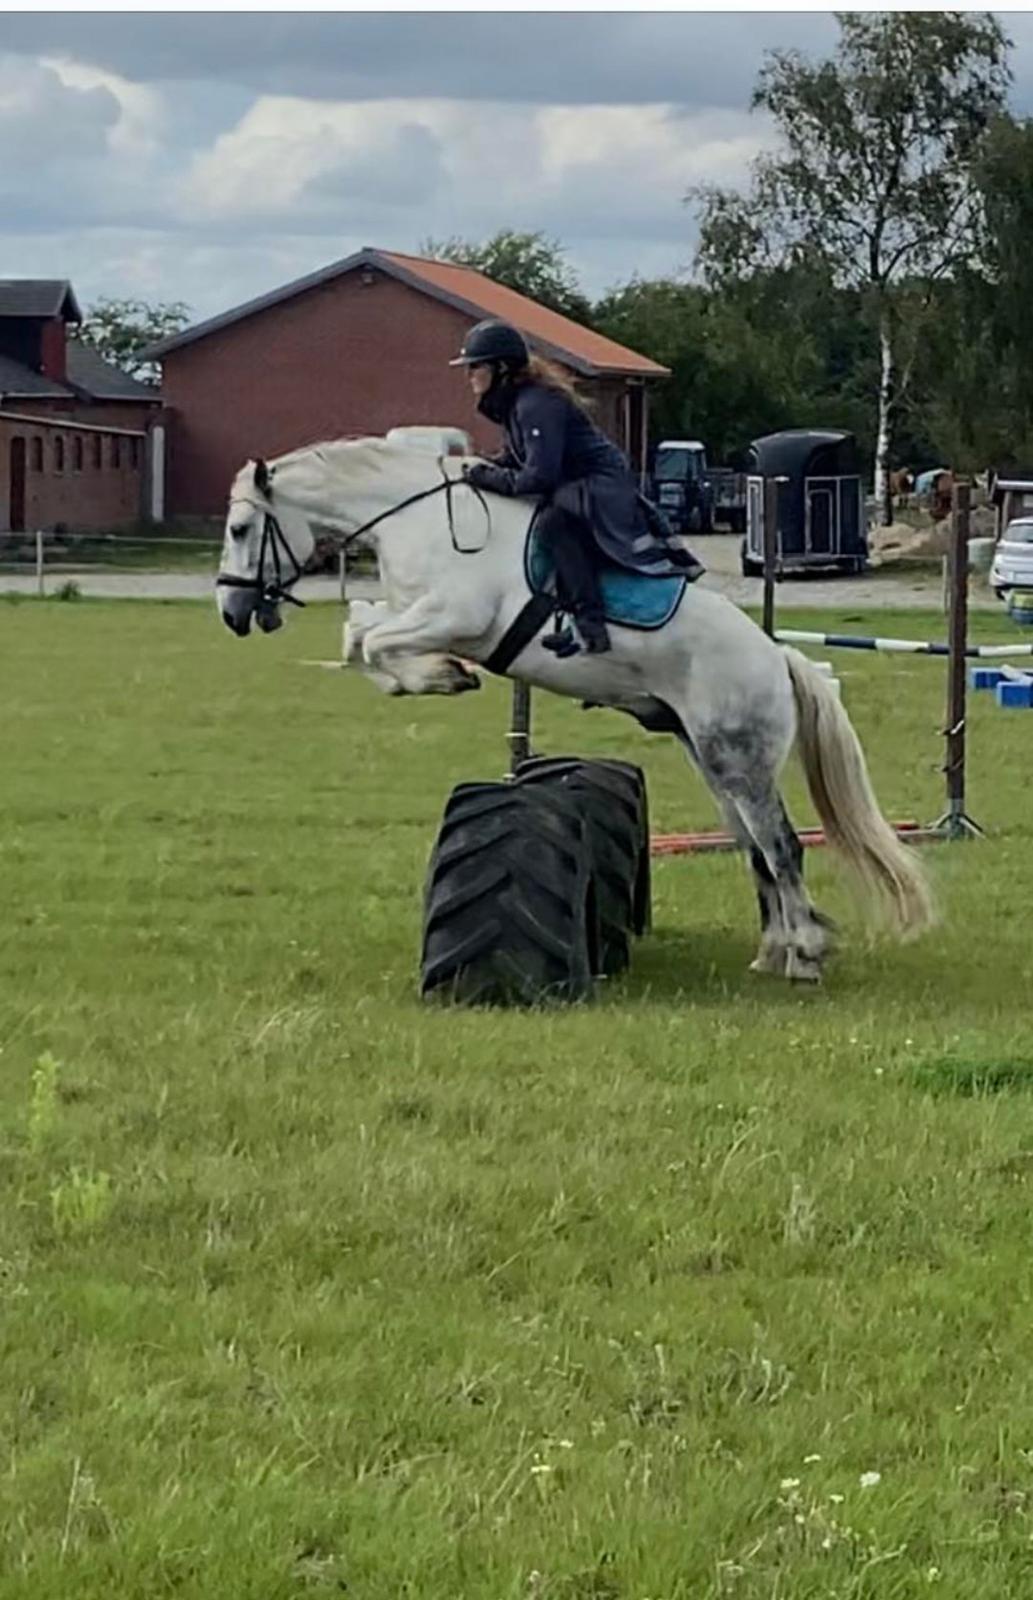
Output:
(285, 154)
(197, 191)
(49, 120)
(141, 120)
(470, 167)
(660, 145)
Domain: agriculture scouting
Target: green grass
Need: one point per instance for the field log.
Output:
(308, 1289)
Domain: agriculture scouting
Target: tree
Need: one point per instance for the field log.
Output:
(783, 348)
(530, 263)
(1006, 184)
(121, 329)
(665, 320)
(874, 174)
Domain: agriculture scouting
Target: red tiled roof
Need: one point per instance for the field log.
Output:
(538, 322)
(465, 290)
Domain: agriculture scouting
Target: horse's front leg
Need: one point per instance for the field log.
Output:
(411, 648)
(362, 616)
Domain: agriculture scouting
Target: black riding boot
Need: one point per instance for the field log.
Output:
(572, 548)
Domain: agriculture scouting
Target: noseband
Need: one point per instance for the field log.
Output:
(274, 587)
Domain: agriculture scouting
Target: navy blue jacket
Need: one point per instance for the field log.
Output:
(554, 452)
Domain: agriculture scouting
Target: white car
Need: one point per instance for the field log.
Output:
(1012, 566)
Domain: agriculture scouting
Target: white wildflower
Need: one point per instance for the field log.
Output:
(809, 1461)
(868, 1480)
(789, 1483)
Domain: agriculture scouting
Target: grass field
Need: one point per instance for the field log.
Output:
(711, 1288)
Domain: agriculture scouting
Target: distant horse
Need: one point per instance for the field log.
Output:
(452, 565)
(936, 488)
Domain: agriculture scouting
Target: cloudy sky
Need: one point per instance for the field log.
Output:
(208, 158)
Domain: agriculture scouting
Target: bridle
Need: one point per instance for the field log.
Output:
(276, 587)
(273, 587)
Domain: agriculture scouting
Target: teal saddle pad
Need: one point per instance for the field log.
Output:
(630, 600)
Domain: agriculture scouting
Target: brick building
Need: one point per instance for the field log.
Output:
(76, 434)
(358, 348)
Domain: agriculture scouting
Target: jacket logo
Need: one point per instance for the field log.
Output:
(536, 433)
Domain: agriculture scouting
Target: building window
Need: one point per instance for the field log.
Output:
(37, 454)
(59, 453)
(98, 451)
(77, 452)
(115, 451)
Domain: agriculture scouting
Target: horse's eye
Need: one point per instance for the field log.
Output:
(239, 529)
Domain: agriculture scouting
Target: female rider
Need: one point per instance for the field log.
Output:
(590, 507)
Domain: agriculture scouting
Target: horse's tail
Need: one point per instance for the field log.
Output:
(890, 877)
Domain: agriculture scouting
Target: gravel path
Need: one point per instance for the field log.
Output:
(718, 552)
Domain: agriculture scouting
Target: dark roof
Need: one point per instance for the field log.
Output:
(38, 297)
(89, 375)
(1004, 478)
(20, 382)
(465, 290)
(790, 451)
(87, 369)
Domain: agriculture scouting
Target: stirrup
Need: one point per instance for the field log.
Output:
(562, 643)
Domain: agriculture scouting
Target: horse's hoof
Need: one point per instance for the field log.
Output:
(802, 969)
(772, 961)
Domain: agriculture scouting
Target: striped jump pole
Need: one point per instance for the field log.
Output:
(913, 647)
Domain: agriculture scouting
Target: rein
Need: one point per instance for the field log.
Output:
(275, 588)
(445, 487)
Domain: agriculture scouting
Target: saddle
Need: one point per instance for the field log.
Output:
(629, 599)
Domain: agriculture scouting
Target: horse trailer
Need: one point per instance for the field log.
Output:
(821, 516)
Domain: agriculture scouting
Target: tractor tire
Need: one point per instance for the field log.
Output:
(509, 908)
(611, 797)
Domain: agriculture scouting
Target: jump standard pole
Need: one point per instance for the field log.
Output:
(955, 822)
(519, 735)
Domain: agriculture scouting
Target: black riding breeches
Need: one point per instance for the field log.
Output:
(571, 544)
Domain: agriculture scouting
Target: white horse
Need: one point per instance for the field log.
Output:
(451, 564)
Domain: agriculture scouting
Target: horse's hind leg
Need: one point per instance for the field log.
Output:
(773, 952)
(795, 937)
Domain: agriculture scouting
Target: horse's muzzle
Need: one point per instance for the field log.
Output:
(268, 617)
(238, 622)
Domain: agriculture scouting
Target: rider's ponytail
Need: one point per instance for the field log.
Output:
(550, 376)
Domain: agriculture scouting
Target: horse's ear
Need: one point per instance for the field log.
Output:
(263, 478)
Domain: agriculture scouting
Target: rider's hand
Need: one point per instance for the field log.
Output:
(484, 476)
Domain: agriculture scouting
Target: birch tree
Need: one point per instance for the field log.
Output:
(873, 170)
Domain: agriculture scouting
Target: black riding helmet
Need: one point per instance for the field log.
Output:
(493, 340)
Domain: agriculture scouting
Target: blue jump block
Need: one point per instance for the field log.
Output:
(1010, 693)
(985, 677)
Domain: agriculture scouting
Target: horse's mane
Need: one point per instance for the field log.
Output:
(393, 467)
(341, 458)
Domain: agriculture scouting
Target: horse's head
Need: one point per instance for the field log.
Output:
(265, 546)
